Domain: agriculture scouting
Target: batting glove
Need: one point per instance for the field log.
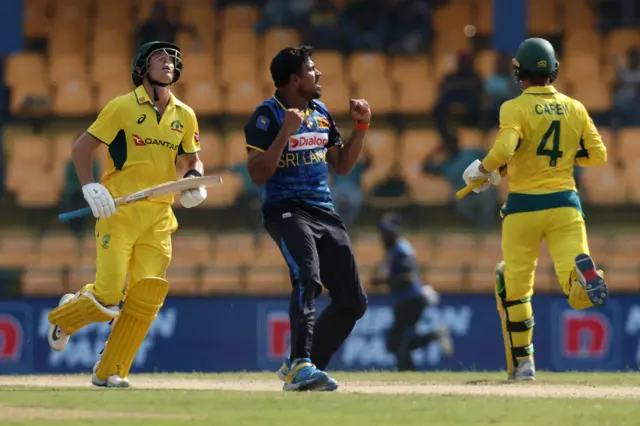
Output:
(473, 173)
(193, 197)
(99, 200)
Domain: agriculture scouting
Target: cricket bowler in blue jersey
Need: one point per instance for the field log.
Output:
(292, 139)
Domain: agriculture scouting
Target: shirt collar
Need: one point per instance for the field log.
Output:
(540, 90)
(143, 97)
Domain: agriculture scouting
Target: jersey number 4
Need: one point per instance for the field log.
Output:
(554, 153)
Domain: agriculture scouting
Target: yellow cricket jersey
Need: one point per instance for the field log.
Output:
(543, 134)
(143, 147)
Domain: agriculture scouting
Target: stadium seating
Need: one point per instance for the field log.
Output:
(238, 263)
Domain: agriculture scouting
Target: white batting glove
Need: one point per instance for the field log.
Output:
(193, 197)
(473, 173)
(99, 200)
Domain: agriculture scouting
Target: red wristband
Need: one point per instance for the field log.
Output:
(362, 126)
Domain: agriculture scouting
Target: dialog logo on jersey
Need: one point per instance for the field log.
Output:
(305, 141)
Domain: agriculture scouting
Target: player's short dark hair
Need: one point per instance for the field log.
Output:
(536, 78)
(288, 61)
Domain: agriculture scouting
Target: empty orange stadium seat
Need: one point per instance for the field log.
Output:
(618, 42)
(238, 68)
(380, 147)
(582, 67)
(67, 40)
(415, 146)
(542, 17)
(235, 148)
(604, 185)
(226, 194)
(234, 250)
(115, 14)
(336, 95)
(631, 176)
(276, 39)
(42, 282)
(583, 41)
(25, 68)
(239, 40)
(211, 150)
(451, 41)
(57, 251)
(239, 16)
(182, 280)
(409, 69)
(452, 16)
(73, 98)
(33, 150)
(242, 98)
(111, 41)
(368, 250)
(627, 146)
(201, 68)
(37, 18)
(223, 280)
(331, 64)
(483, 17)
(595, 95)
(18, 250)
(192, 250)
(108, 66)
(79, 276)
(377, 93)
(66, 68)
(31, 98)
(109, 89)
(204, 97)
(268, 280)
(415, 96)
(367, 67)
(579, 14)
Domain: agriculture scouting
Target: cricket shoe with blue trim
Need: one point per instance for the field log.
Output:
(591, 279)
(525, 370)
(302, 375)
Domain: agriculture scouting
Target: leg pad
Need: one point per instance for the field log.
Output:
(83, 310)
(142, 304)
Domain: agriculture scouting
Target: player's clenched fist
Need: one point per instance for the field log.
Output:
(99, 200)
(293, 119)
(359, 110)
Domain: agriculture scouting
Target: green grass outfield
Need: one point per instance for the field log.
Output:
(363, 399)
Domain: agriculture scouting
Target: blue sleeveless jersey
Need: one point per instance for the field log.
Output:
(302, 172)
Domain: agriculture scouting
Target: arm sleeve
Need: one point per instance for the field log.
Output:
(507, 140)
(191, 140)
(261, 129)
(107, 125)
(593, 151)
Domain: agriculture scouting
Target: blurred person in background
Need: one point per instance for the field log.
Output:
(498, 88)
(323, 28)
(627, 90)
(462, 87)
(409, 26)
(365, 25)
(450, 162)
(160, 26)
(283, 14)
(410, 297)
(73, 197)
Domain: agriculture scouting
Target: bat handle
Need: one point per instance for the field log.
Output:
(467, 189)
(74, 214)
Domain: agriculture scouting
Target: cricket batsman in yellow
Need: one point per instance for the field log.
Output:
(145, 131)
(543, 134)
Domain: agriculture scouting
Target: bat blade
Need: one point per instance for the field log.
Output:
(152, 192)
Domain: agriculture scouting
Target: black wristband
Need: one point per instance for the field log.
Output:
(192, 172)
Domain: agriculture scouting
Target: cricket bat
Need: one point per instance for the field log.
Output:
(476, 183)
(166, 188)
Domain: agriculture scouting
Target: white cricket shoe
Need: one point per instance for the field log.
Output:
(111, 382)
(58, 339)
(525, 370)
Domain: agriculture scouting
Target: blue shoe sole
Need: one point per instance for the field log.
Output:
(595, 286)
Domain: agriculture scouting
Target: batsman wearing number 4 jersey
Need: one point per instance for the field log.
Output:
(291, 138)
(144, 130)
(543, 134)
